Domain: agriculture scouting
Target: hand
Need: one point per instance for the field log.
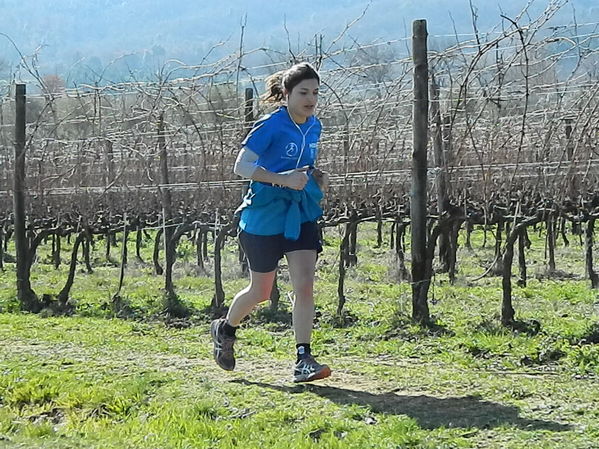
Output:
(297, 179)
(321, 178)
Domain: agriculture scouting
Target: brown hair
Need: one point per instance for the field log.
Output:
(277, 83)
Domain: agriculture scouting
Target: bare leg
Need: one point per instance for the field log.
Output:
(302, 264)
(245, 301)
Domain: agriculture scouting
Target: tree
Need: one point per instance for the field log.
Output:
(54, 85)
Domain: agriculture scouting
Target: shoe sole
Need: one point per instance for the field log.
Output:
(213, 331)
(322, 374)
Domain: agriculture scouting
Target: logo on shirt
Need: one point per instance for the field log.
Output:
(313, 150)
(291, 150)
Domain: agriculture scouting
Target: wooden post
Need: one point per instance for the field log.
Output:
(569, 143)
(589, 254)
(87, 245)
(25, 293)
(440, 179)
(155, 259)
(378, 212)
(56, 250)
(173, 305)
(346, 148)
(116, 298)
(139, 242)
(109, 162)
(166, 208)
(400, 231)
(446, 134)
(522, 258)
(418, 198)
(551, 243)
(507, 309)
(249, 108)
(573, 181)
(2, 246)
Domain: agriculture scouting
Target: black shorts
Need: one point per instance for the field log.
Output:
(263, 252)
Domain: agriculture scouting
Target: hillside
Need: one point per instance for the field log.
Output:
(80, 37)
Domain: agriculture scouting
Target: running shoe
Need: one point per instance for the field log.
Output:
(224, 354)
(308, 369)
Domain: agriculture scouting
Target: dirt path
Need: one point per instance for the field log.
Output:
(431, 407)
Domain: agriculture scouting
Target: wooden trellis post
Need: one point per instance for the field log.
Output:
(25, 293)
(418, 198)
(440, 166)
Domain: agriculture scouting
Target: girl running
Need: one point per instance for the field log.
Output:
(279, 213)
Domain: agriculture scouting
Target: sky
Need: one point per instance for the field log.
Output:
(70, 34)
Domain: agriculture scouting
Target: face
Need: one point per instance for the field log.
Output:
(302, 100)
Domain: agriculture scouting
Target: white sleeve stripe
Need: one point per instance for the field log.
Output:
(245, 165)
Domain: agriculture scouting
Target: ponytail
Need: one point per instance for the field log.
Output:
(286, 80)
(274, 88)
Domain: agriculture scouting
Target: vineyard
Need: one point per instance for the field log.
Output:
(512, 143)
(117, 200)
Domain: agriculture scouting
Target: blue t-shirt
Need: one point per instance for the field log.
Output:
(281, 144)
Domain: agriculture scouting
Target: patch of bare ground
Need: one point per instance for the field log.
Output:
(347, 386)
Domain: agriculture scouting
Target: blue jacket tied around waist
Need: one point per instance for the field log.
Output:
(270, 210)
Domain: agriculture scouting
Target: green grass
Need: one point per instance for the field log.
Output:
(95, 381)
